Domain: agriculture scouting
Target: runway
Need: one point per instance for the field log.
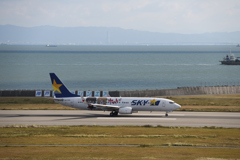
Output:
(79, 117)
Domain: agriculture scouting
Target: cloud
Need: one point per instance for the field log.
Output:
(179, 16)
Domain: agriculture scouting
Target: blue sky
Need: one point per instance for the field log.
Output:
(166, 16)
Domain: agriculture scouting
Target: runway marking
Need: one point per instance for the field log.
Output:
(132, 118)
(158, 114)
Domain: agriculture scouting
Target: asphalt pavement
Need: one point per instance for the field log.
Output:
(80, 117)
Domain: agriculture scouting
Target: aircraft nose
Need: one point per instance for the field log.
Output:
(177, 106)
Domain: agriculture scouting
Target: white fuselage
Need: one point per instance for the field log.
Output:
(136, 104)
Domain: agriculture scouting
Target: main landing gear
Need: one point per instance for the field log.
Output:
(114, 113)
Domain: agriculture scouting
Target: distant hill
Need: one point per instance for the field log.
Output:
(10, 34)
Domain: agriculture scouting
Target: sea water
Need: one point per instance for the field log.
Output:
(116, 67)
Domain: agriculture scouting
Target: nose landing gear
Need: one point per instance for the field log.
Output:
(167, 113)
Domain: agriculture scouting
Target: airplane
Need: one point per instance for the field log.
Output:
(122, 105)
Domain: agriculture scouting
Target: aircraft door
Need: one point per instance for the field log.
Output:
(164, 104)
(72, 103)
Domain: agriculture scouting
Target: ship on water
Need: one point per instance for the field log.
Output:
(238, 45)
(49, 45)
(231, 60)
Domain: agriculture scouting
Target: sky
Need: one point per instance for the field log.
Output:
(165, 16)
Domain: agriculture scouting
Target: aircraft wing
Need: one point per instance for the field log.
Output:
(108, 107)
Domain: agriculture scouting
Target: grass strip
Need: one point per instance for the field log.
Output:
(145, 137)
(119, 135)
(117, 153)
(207, 100)
(26, 100)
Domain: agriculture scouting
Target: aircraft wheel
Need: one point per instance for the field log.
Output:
(166, 114)
(111, 114)
(115, 113)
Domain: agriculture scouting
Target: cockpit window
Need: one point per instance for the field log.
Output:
(171, 102)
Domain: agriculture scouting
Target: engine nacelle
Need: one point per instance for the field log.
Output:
(125, 110)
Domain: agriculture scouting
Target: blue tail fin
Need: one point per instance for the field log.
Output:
(59, 88)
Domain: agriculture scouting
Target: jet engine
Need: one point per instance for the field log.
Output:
(125, 110)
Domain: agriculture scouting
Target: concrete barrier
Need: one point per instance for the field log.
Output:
(183, 91)
(32, 93)
(17, 93)
(143, 93)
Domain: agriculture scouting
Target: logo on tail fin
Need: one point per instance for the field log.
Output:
(56, 86)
